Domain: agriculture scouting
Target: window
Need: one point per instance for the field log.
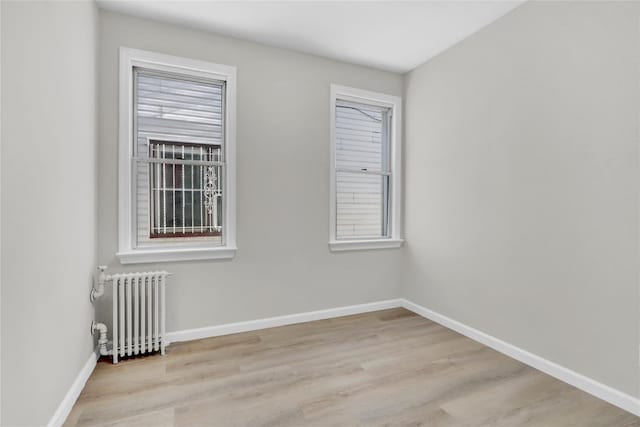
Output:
(177, 159)
(365, 170)
(186, 199)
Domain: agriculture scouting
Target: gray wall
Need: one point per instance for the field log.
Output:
(283, 263)
(522, 185)
(49, 215)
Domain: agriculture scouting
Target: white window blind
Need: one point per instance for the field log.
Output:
(362, 170)
(179, 134)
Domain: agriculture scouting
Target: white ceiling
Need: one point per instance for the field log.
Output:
(391, 35)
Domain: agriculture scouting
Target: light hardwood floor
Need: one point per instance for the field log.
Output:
(385, 368)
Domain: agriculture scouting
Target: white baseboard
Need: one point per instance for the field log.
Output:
(72, 395)
(591, 386)
(272, 322)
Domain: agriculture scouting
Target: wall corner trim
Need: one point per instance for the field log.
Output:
(586, 384)
(61, 414)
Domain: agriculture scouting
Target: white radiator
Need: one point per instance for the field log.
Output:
(138, 313)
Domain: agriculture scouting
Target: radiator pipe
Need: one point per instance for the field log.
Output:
(98, 290)
(102, 340)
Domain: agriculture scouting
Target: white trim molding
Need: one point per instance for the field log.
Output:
(353, 245)
(128, 252)
(394, 221)
(584, 383)
(179, 254)
(272, 322)
(64, 409)
(608, 394)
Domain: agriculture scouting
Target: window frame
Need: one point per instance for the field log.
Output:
(394, 103)
(128, 252)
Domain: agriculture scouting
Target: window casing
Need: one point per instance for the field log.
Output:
(177, 159)
(365, 170)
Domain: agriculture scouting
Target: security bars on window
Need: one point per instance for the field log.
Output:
(185, 189)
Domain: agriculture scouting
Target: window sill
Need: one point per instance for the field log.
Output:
(362, 245)
(142, 256)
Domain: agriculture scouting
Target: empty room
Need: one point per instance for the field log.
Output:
(320, 213)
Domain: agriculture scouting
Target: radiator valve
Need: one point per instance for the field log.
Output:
(98, 289)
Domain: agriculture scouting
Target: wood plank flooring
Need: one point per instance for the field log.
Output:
(387, 368)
